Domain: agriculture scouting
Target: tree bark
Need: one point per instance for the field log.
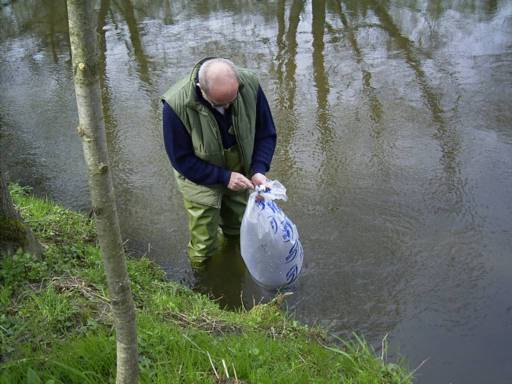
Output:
(14, 233)
(82, 32)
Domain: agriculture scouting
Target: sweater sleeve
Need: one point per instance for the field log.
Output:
(265, 136)
(178, 145)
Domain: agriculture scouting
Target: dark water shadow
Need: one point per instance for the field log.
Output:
(375, 108)
(287, 53)
(145, 67)
(323, 123)
(135, 47)
(111, 126)
(286, 60)
(17, 161)
(226, 279)
(45, 19)
(452, 187)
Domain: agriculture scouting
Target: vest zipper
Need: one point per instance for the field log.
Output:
(237, 136)
(215, 131)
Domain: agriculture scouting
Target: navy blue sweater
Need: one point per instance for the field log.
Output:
(178, 143)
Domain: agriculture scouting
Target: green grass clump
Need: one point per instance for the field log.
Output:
(51, 222)
(56, 327)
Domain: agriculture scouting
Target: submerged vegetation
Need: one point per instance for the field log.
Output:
(56, 327)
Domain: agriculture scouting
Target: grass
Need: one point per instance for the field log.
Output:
(56, 327)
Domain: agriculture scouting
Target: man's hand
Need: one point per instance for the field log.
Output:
(238, 182)
(259, 179)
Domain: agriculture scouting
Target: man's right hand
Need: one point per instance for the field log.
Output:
(238, 182)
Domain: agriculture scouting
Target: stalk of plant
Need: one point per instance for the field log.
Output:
(91, 129)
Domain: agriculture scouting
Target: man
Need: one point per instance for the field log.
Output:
(220, 138)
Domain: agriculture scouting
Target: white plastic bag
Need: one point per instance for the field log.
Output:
(269, 241)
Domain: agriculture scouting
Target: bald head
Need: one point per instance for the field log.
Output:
(218, 79)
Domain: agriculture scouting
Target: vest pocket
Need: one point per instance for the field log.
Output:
(233, 159)
(212, 156)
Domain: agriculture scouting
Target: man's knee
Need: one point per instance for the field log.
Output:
(232, 212)
(202, 245)
(203, 224)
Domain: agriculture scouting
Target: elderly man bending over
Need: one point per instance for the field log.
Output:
(220, 138)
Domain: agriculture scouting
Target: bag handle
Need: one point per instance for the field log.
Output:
(272, 190)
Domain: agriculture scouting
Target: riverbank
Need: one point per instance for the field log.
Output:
(55, 324)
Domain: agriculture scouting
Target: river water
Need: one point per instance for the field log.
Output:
(394, 142)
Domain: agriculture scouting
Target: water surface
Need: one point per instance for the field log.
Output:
(394, 141)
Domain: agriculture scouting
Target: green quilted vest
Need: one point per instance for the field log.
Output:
(204, 132)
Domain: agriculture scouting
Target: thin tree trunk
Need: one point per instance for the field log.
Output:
(14, 233)
(82, 32)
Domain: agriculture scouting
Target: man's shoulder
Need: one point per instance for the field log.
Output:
(177, 93)
(247, 74)
(249, 79)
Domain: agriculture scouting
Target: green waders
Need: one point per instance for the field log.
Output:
(204, 220)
